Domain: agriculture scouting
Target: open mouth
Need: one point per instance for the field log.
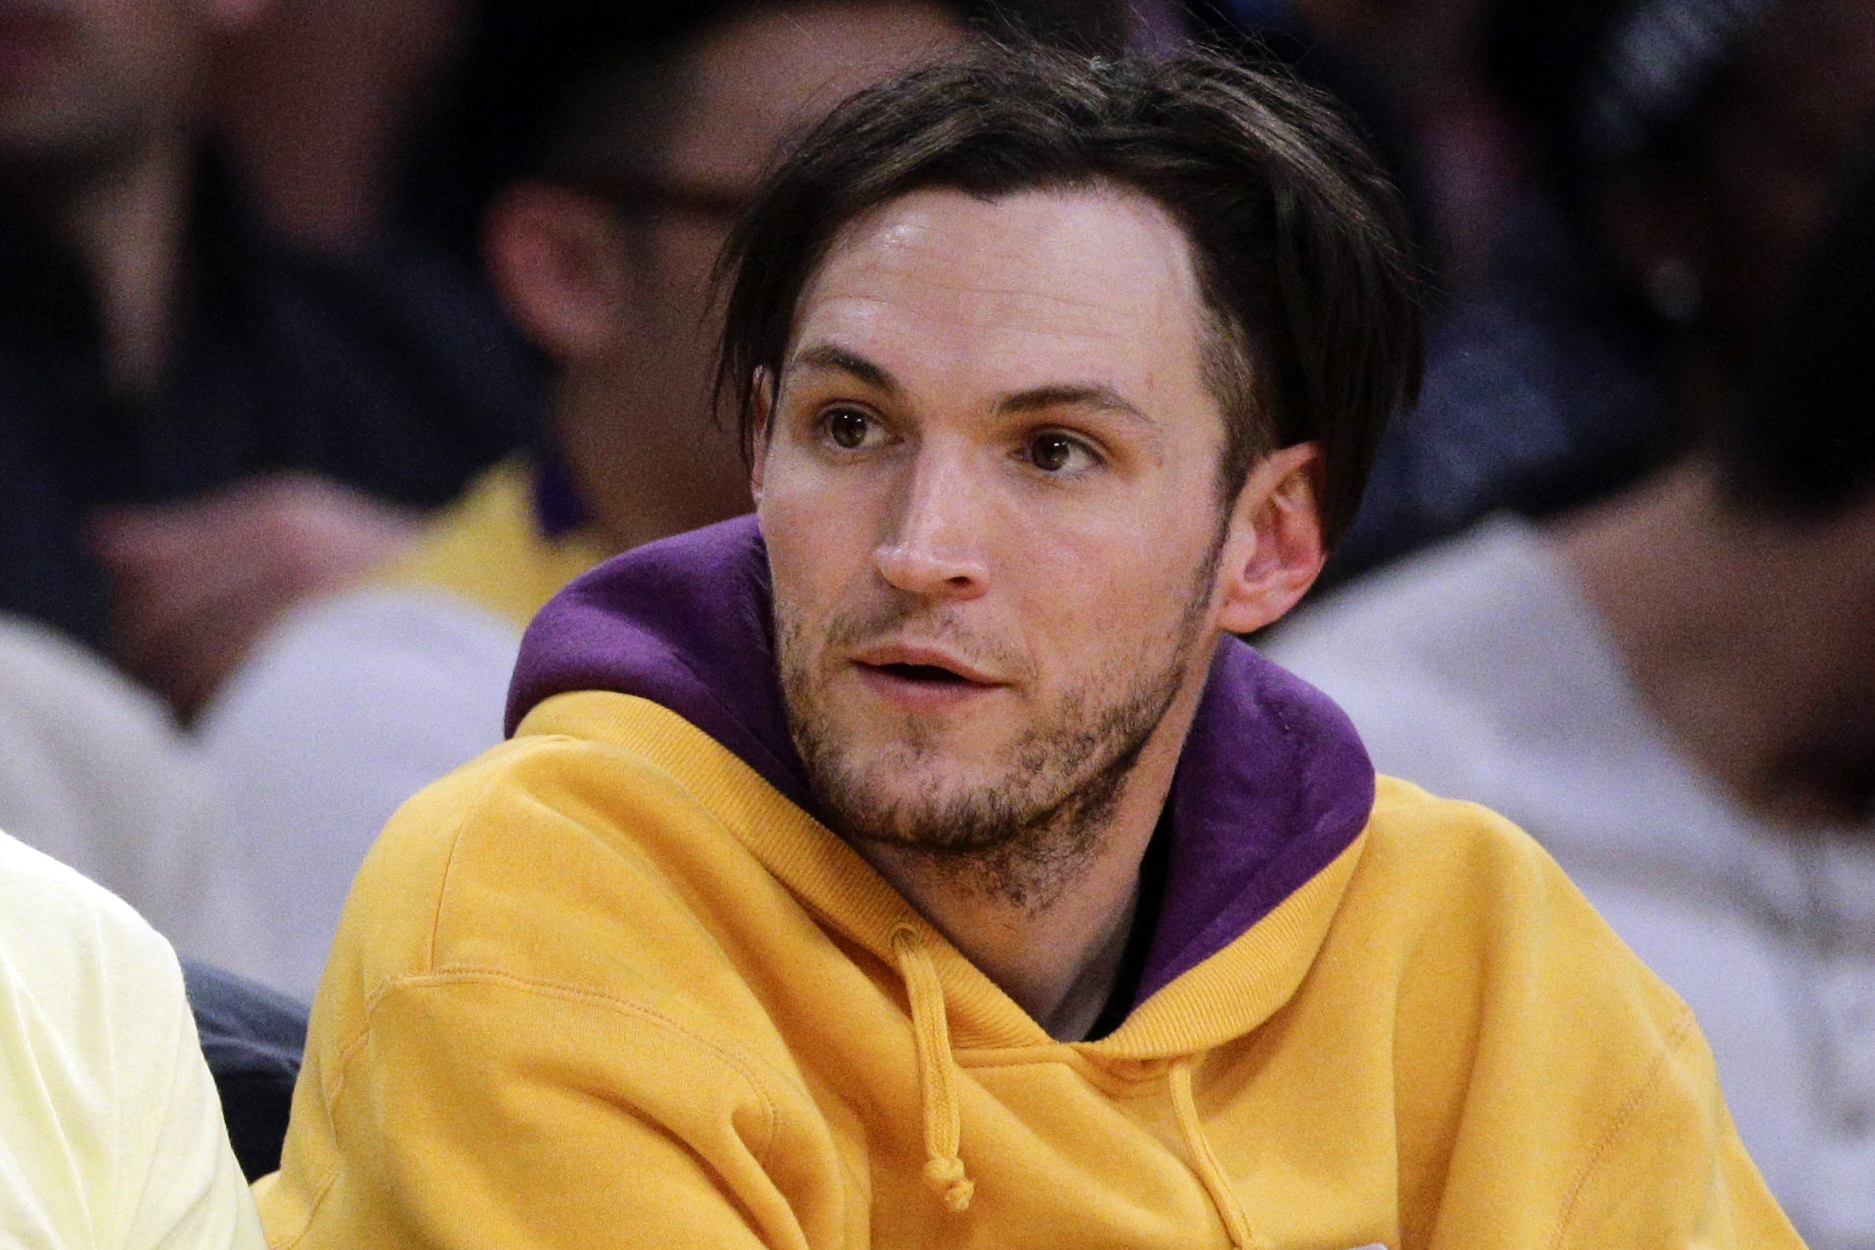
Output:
(931, 674)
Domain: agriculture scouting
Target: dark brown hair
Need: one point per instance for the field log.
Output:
(1299, 242)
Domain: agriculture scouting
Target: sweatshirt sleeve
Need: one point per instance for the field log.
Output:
(480, 1109)
(1671, 1170)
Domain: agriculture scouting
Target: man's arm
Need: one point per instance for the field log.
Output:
(1671, 1169)
(483, 1109)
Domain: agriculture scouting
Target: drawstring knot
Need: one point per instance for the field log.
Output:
(944, 1172)
(946, 1178)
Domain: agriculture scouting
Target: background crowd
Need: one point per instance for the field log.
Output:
(337, 335)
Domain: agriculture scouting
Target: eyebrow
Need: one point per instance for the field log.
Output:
(1081, 395)
(834, 358)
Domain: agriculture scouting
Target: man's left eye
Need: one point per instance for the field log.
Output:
(1055, 452)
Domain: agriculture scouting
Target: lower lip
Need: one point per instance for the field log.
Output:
(920, 696)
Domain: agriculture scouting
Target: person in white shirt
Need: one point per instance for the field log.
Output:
(111, 1133)
(96, 774)
(1674, 691)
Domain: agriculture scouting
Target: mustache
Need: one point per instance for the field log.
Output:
(911, 621)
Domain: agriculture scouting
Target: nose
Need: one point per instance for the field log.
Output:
(937, 547)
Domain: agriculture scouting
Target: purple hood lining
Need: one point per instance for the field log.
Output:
(1272, 786)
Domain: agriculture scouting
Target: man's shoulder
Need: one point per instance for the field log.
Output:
(1444, 873)
(552, 855)
(1461, 905)
(110, 1113)
(93, 993)
(1442, 844)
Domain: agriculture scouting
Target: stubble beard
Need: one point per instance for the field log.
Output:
(1022, 839)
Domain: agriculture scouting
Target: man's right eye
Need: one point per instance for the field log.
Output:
(848, 427)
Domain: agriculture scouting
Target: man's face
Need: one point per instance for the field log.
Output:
(1802, 98)
(989, 492)
(86, 82)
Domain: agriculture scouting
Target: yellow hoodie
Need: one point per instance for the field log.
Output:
(611, 985)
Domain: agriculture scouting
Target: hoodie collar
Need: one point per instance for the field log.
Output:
(1272, 786)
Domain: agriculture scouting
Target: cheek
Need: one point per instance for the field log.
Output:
(819, 538)
(1119, 586)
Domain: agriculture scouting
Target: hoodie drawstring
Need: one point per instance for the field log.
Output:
(1204, 1159)
(944, 1171)
(937, 1070)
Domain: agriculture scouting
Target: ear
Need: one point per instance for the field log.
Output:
(764, 395)
(560, 264)
(1274, 550)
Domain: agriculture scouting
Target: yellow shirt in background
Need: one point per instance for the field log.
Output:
(111, 1136)
(488, 548)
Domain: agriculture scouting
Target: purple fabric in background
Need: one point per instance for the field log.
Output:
(1273, 783)
(557, 505)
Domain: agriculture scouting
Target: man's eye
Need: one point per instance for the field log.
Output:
(848, 427)
(1054, 452)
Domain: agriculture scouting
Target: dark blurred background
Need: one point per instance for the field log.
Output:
(336, 335)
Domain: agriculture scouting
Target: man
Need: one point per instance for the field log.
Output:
(600, 240)
(1673, 690)
(1692, 142)
(919, 862)
(111, 1134)
(163, 361)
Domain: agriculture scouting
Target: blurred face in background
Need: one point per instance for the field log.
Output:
(84, 83)
(1802, 100)
(1746, 209)
(758, 83)
(642, 360)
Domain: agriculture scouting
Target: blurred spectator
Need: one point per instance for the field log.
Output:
(637, 135)
(1688, 142)
(1426, 56)
(1675, 691)
(157, 346)
(96, 775)
(110, 1130)
(1279, 32)
(317, 100)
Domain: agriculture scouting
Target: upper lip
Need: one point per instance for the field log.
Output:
(881, 654)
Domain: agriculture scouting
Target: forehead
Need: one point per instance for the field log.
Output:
(1016, 291)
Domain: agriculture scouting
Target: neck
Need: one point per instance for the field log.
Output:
(647, 479)
(1060, 958)
(126, 221)
(1721, 618)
